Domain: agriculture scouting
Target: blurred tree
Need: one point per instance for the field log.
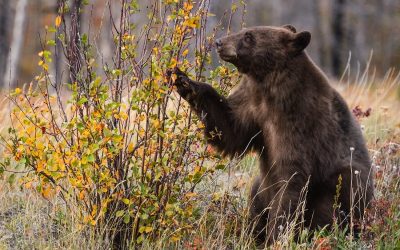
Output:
(4, 38)
(319, 33)
(58, 53)
(338, 27)
(17, 39)
(338, 32)
(74, 42)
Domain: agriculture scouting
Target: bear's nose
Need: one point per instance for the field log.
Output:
(218, 43)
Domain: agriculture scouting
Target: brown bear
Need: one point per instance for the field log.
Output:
(311, 147)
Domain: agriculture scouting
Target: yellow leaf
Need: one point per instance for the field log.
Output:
(156, 123)
(130, 147)
(28, 185)
(47, 192)
(187, 6)
(94, 211)
(201, 125)
(184, 53)
(175, 238)
(123, 116)
(84, 161)
(190, 195)
(174, 77)
(18, 91)
(197, 169)
(30, 130)
(40, 166)
(145, 229)
(93, 222)
(141, 132)
(191, 22)
(81, 195)
(216, 196)
(155, 50)
(140, 151)
(142, 117)
(89, 219)
(58, 21)
(173, 63)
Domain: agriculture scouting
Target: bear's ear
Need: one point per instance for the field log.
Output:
(300, 41)
(290, 28)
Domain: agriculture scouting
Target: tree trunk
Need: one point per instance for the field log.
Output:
(322, 49)
(4, 38)
(338, 31)
(73, 50)
(17, 39)
(58, 51)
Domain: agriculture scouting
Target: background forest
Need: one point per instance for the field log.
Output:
(99, 152)
(356, 31)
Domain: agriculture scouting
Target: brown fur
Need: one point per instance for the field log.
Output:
(285, 109)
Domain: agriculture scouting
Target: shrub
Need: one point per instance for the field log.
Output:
(124, 152)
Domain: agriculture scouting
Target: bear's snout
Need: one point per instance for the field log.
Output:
(226, 49)
(218, 43)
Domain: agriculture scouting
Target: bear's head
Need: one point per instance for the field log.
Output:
(259, 50)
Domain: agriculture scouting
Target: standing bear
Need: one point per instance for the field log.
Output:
(311, 147)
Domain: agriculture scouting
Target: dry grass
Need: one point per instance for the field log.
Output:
(27, 221)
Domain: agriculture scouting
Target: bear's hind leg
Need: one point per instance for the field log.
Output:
(258, 213)
(319, 212)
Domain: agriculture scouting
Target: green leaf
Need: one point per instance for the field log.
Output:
(84, 38)
(82, 100)
(90, 158)
(119, 213)
(127, 218)
(51, 43)
(51, 29)
(22, 161)
(95, 147)
(220, 166)
(107, 132)
(144, 216)
(140, 239)
(11, 179)
(116, 72)
(80, 126)
(96, 82)
(145, 229)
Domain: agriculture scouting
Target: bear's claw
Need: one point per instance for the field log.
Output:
(181, 78)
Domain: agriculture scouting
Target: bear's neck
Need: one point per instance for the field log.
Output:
(295, 78)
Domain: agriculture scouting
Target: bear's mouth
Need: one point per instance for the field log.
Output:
(227, 57)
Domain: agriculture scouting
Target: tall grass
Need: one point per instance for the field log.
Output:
(28, 220)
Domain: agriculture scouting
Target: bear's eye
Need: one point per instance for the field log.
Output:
(248, 37)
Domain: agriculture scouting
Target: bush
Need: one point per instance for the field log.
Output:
(124, 152)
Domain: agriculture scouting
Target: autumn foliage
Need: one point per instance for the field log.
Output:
(116, 143)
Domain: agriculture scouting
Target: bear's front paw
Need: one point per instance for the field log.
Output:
(181, 78)
(183, 83)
